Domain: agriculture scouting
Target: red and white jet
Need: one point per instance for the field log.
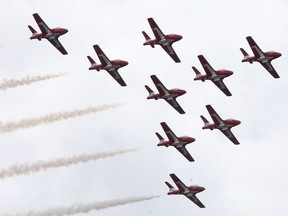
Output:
(264, 58)
(215, 76)
(168, 95)
(188, 191)
(165, 41)
(223, 125)
(178, 142)
(111, 66)
(50, 34)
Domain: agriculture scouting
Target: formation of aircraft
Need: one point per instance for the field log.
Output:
(264, 58)
(188, 191)
(50, 34)
(165, 41)
(111, 66)
(215, 76)
(223, 125)
(178, 142)
(168, 95)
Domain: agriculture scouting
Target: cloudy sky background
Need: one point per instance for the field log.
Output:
(248, 179)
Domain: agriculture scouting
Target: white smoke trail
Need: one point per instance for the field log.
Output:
(27, 168)
(54, 117)
(13, 83)
(83, 208)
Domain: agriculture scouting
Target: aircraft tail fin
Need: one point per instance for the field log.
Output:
(146, 35)
(150, 91)
(32, 29)
(206, 122)
(204, 119)
(171, 188)
(34, 33)
(198, 74)
(161, 140)
(159, 137)
(148, 39)
(93, 64)
(91, 60)
(245, 54)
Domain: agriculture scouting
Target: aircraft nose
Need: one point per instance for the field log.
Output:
(191, 139)
(238, 122)
(183, 92)
(279, 54)
(202, 189)
(125, 63)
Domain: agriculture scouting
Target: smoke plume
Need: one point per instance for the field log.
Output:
(27, 168)
(13, 83)
(54, 117)
(83, 208)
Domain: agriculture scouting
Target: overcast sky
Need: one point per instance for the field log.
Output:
(249, 179)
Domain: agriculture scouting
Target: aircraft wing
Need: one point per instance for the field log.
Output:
(101, 55)
(181, 186)
(216, 118)
(254, 47)
(268, 66)
(56, 43)
(221, 85)
(185, 153)
(194, 199)
(170, 51)
(230, 136)
(156, 30)
(117, 77)
(42, 25)
(159, 85)
(207, 67)
(176, 105)
(169, 133)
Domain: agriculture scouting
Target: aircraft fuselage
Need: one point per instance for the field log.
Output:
(53, 33)
(267, 57)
